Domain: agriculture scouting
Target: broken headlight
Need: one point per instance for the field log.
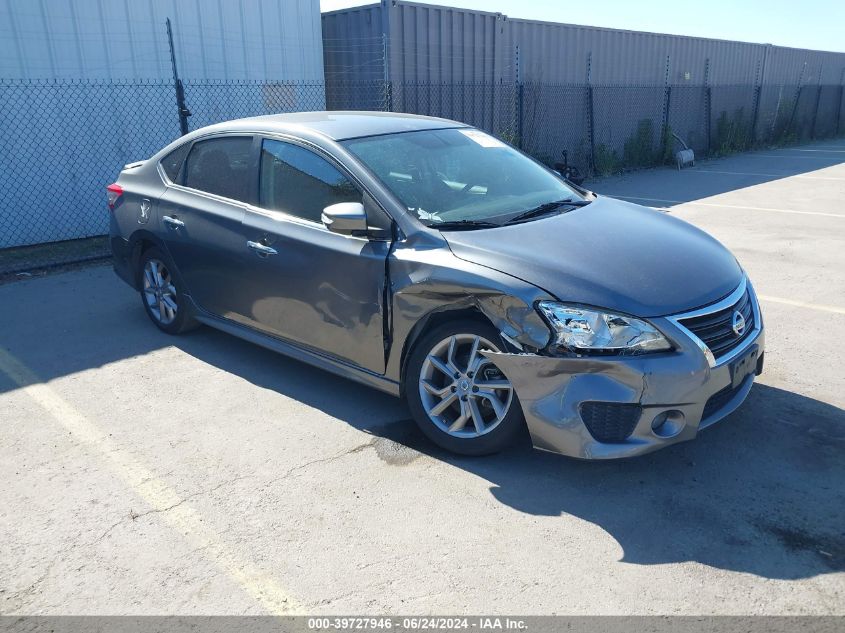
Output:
(584, 330)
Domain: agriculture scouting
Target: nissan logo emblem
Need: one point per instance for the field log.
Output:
(738, 323)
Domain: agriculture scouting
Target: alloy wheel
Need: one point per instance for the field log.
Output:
(463, 393)
(159, 292)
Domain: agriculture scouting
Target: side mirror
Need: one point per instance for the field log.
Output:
(345, 218)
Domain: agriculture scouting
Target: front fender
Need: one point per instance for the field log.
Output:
(424, 282)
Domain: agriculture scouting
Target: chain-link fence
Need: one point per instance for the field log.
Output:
(62, 142)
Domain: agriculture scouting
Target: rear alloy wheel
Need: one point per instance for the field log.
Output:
(459, 398)
(160, 293)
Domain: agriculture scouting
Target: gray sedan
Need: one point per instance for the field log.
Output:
(430, 260)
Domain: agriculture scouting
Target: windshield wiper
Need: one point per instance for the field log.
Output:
(458, 225)
(546, 208)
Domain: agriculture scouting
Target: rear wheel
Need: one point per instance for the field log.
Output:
(161, 294)
(458, 397)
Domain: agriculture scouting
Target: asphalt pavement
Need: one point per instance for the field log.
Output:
(148, 474)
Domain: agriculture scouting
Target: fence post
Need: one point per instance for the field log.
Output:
(755, 112)
(816, 111)
(707, 104)
(520, 100)
(184, 113)
(667, 97)
(591, 137)
(839, 109)
(388, 96)
(797, 99)
(520, 104)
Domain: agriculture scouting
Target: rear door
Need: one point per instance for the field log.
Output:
(200, 218)
(301, 281)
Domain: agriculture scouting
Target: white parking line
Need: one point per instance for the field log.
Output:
(727, 206)
(161, 498)
(745, 173)
(782, 156)
(803, 304)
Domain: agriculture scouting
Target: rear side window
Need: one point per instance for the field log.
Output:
(172, 163)
(221, 166)
(298, 182)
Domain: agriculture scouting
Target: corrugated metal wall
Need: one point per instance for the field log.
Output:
(214, 39)
(443, 44)
(353, 44)
(558, 53)
(86, 86)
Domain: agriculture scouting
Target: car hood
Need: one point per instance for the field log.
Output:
(610, 254)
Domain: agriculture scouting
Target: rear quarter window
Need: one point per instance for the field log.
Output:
(172, 163)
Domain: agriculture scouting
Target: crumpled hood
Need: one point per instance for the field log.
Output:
(610, 254)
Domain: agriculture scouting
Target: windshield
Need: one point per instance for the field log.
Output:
(459, 175)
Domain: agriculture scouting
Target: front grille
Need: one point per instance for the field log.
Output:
(610, 422)
(716, 329)
(718, 400)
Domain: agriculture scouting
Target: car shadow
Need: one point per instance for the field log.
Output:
(666, 187)
(762, 492)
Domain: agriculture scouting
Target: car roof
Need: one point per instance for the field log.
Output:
(335, 125)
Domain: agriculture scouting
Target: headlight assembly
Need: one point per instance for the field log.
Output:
(583, 330)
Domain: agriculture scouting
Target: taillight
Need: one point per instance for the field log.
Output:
(114, 191)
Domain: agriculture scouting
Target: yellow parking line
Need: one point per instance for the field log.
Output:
(151, 489)
(803, 304)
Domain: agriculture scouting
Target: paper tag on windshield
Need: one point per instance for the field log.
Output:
(425, 215)
(485, 140)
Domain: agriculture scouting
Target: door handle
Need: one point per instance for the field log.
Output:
(261, 249)
(172, 222)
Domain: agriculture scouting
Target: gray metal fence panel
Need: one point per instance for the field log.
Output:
(825, 117)
(731, 117)
(554, 119)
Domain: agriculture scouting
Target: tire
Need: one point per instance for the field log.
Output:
(162, 294)
(447, 408)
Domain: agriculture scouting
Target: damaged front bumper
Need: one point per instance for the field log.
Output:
(622, 406)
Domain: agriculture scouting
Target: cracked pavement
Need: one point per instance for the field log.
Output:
(221, 473)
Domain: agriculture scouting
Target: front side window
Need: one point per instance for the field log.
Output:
(221, 166)
(298, 182)
(458, 174)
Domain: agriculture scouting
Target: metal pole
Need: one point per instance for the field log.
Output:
(755, 113)
(839, 109)
(818, 102)
(520, 100)
(797, 99)
(667, 96)
(184, 113)
(590, 120)
(707, 103)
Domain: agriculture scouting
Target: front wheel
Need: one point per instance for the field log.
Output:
(457, 396)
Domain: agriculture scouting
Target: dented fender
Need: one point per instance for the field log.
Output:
(426, 279)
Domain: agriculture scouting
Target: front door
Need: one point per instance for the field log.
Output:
(302, 282)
